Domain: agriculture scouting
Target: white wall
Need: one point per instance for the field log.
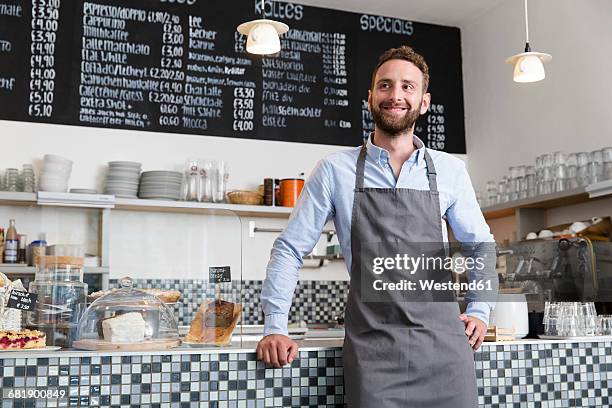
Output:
(90, 148)
(173, 246)
(509, 123)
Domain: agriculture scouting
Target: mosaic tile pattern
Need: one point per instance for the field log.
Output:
(510, 376)
(229, 380)
(545, 375)
(313, 301)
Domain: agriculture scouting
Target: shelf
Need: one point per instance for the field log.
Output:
(30, 269)
(16, 198)
(136, 204)
(564, 198)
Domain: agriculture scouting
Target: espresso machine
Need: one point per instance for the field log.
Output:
(573, 269)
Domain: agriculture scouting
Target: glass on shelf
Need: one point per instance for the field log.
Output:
(604, 325)
(595, 166)
(607, 154)
(560, 178)
(570, 319)
(582, 159)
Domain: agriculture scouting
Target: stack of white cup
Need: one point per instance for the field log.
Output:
(55, 174)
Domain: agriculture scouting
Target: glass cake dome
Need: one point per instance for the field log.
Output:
(127, 319)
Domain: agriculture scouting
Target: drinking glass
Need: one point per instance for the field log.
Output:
(572, 176)
(595, 166)
(11, 179)
(607, 154)
(604, 325)
(502, 190)
(205, 181)
(491, 192)
(608, 170)
(559, 178)
(29, 179)
(221, 177)
(192, 175)
(558, 158)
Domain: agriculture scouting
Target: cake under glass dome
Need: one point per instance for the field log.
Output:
(127, 319)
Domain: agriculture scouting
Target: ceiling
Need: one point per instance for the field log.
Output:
(444, 12)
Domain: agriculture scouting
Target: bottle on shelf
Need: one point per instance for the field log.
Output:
(11, 243)
(1, 245)
(38, 248)
(21, 252)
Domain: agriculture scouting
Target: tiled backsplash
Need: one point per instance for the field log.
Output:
(313, 301)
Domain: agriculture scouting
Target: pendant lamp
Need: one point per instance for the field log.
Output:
(262, 35)
(528, 65)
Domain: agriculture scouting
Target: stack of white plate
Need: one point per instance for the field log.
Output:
(160, 185)
(55, 174)
(122, 178)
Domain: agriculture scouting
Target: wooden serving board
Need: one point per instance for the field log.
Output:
(107, 345)
(496, 334)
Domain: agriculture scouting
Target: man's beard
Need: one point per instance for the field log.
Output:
(393, 125)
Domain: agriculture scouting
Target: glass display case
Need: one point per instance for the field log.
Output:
(61, 298)
(127, 319)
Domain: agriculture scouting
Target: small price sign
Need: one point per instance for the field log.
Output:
(219, 274)
(21, 300)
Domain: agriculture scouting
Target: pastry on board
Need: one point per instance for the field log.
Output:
(23, 339)
(214, 323)
(125, 328)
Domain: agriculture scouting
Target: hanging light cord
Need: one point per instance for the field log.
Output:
(527, 47)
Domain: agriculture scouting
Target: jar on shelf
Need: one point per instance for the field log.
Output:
(62, 298)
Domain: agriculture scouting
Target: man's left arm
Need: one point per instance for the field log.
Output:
(470, 228)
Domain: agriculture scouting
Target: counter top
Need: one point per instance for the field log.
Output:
(315, 344)
(236, 347)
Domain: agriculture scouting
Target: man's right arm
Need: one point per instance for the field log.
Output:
(312, 211)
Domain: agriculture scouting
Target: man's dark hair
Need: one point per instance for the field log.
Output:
(405, 53)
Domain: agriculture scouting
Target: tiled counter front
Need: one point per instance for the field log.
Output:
(174, 379)
(537, 374)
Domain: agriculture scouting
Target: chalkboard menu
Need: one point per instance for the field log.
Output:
(179, 66)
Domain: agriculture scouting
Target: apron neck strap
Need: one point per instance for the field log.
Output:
(361, 166)
(431, 169)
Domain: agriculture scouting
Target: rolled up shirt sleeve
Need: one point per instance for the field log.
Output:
(470, 228)
(310, 214)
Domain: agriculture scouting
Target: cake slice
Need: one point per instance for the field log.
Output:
(126, 328)
(24, 339)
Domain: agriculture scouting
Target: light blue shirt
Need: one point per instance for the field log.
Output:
(328, 193)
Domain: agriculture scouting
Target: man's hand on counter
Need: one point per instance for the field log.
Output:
(475, 330)
(277, 350)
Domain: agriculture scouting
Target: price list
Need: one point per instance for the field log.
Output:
(181, 67)
(44, 26)
(435, 129)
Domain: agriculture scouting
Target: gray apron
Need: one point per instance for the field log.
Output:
(411, 354)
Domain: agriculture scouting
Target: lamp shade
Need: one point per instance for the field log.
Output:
(528, 69)
(263, 39)
(262, 35)
(529, 66)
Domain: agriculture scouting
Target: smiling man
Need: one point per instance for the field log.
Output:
(388, 194)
